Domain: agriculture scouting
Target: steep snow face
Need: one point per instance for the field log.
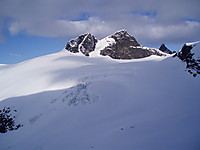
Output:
(103, 104)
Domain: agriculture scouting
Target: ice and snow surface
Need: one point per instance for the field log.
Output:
(67, 101)
(193, 43)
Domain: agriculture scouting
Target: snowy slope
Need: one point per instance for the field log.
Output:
(70, 102)
(56, 71)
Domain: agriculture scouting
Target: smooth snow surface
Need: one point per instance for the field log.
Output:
(193, 43)
(71, 102)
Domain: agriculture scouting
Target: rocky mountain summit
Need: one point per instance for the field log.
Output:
(85, 44)
(123, 46)
(164, 49)
(126, 47)
(187, 56)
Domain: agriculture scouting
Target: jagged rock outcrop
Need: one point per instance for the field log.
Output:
(126, 47)
(84, 43)
(164, 49)
(131, 52)
(192, 63)
(123, 46)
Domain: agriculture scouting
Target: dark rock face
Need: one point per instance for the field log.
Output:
(126, 47)
(192, 64)
(84, 43)
(164, 49)
(129, 52)
(124, 39)
(185, 52)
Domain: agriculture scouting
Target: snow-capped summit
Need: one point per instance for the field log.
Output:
(120, 45)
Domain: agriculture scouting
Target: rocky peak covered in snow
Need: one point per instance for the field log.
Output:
(85, 44)
(191, 59)
(120, 45)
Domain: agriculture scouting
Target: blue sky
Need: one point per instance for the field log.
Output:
(21, 47)
(31, 28)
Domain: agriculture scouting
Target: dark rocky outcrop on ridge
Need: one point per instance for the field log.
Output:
(164, 49)
(192, 64)
(84, 43)
(126, 47)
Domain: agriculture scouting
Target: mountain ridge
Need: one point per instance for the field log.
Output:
(123, 46)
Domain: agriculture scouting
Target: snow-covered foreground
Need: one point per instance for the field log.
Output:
(70, 102)
(52, 72)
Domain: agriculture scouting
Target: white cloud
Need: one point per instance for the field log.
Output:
(15, 55)
(53, 18)
(173, 33)
(60, 28)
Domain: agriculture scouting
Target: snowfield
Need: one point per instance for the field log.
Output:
(68, 101)
(52, 72)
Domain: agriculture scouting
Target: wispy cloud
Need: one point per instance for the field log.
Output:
(148, 20)
(15, 55)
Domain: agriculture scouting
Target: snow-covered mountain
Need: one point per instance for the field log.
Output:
(67, 101)
(120, 45)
